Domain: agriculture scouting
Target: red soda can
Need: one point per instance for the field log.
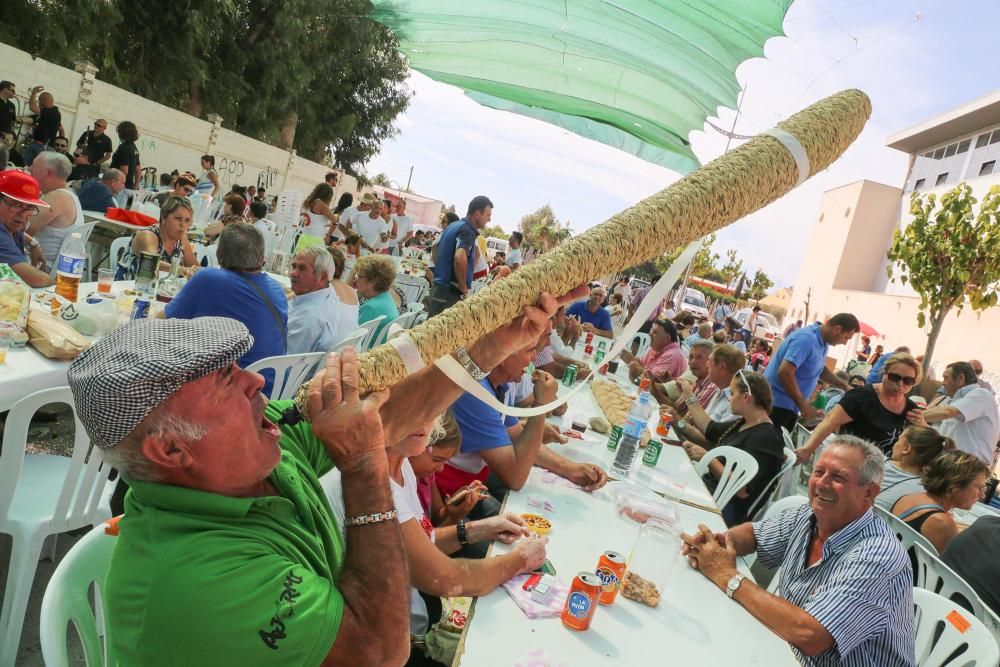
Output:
(603, 370)
(611, 570)
(663, 428)
(589, 339)
(582, 601)
(588, 351)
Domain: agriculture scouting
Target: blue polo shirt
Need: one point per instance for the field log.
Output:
(461, 234)
(875, 374)
(601, 319)
(482, 427)
(11, 247)
(806, 350)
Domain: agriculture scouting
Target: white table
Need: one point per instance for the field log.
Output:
(694, 624)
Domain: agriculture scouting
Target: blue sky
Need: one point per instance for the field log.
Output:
(914, 58)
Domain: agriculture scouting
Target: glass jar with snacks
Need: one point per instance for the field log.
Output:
(653, 556)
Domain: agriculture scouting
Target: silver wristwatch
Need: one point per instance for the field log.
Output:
(475, 371)
(734, 584)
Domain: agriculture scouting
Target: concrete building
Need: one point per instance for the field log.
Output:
(844, 267)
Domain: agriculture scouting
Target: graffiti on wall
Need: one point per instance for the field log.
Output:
(267, 178)
(234, 172)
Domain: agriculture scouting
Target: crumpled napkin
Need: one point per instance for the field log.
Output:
(554, 602)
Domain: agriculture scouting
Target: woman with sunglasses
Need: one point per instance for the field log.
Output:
(877, 413)
(184, 186)
(754, 433)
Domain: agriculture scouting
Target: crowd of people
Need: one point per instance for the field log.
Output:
(275, 538)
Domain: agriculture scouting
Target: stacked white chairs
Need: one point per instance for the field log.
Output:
(42, 495)
(738, 470)
(67, 600)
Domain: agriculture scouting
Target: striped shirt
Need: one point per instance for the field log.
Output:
(861, 589)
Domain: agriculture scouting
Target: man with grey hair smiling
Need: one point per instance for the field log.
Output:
(317, 319)
(845, 587)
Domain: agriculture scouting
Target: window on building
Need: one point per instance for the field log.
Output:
(950, 150)
(982, 140)
(987, 168)
(964, 146)
(941, 179)
(938, 154)
(996, 137)
(919, 184)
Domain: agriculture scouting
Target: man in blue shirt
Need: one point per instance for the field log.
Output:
(98, 194)
(240, 291)
(20, 199)
(455, 258)
(800, 363)
(591, 315)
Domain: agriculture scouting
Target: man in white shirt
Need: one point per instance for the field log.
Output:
(352, 213)
(371, 226)
(968, 414)
(514, 251)
(389, 225)
(723, 364)
(404, 228)
(314, 312)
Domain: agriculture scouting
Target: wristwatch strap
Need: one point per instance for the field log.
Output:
(377, 517)
(474, 370)
(734, 585)
(463, 535)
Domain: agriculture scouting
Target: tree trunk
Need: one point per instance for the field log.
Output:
(932, 337)
(286, 136)
(195, 103)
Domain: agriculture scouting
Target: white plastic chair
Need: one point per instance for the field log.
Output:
(903, 532)
(119, 247)
(415, 307)
(764, 499)
(737, 472)
(413, 287)
(777, 507)
(353, 340)
(67, 600)
(288, 208)
(943, 629)
(406, 320)
(644, 343)
(207, 252)
(290, 371)
(935, 576)
(371, 326)
(42, 495)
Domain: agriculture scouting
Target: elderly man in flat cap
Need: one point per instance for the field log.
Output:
(228, 552)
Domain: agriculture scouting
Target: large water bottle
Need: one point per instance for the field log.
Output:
(69, 267)
(635, 424)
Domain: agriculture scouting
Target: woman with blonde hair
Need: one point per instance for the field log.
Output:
(168, 239)
(877, 413)
(953, 479)
(912, 453)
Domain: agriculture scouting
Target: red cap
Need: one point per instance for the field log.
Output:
(22, 187)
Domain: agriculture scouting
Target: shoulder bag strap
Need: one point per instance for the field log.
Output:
(270, 305)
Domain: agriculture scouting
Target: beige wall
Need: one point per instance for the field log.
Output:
(169, 139)
(874, 215)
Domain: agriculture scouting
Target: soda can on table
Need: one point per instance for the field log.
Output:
(663, 428)
(588, 352)
(582, 601)
(614, 437)
(569, 377)
(652, 453)
(599, 356)
(602, 345)
(140, 309)
(589, 338)
(611, 570)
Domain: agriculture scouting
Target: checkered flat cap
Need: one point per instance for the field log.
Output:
(123, 376)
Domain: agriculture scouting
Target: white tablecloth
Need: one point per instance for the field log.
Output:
(695, 622)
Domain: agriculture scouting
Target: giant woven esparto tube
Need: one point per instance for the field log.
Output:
(716, 195)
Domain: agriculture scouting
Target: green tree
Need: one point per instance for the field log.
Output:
(381, 180)
(494, 231)
(759, 285)
(542, 229)
(947, 254)
(318, 75)
(732, 269)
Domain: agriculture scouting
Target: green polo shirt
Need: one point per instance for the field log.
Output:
(202, 579)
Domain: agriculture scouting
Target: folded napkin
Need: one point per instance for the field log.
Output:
(554, 602)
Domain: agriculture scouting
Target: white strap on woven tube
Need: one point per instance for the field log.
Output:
(457, 373)
(795, 148)
(407, 351)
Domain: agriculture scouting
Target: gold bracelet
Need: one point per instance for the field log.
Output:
(377, 517)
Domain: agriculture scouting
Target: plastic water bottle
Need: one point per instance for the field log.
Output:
(635, 424)
(69, 267)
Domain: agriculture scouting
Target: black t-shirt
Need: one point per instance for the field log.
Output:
(972, 554)
(49, 120)
(765, 444)
(127, 155)
(94, 147)
(7, 115)
(871, 420)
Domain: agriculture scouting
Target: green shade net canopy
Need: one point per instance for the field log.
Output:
(637, 75)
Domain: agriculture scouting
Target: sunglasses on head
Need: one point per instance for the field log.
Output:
(897, 378)
(744, 381)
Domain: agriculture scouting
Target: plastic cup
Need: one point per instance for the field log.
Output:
(105, 278)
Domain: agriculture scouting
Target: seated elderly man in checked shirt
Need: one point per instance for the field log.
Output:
(228, 553)
(845, 593)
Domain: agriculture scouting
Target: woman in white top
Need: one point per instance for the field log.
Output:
(318, 217)
(431, 570)
(348, 321)
(916, 447)
(208, 182)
